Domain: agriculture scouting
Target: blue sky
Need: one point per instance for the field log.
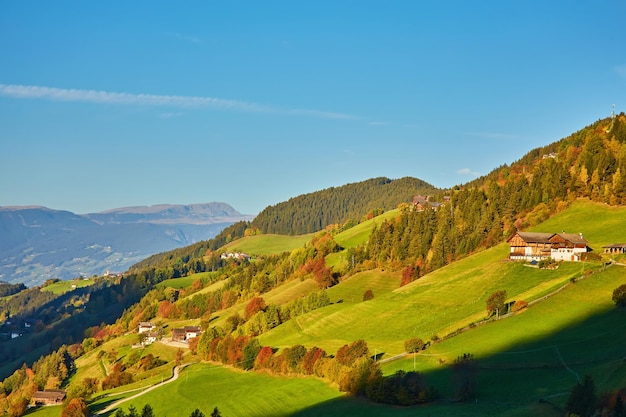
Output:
(112, 104)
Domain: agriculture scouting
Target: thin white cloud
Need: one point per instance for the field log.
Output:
(106, 97)
(186, 37)
(620, 70)
(467, 171)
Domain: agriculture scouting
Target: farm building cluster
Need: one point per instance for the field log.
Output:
(150, 335)
(535, 246)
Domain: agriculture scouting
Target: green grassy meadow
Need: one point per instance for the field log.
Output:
(527, 362)
(234, 392)
(267, 244)
(437, 304)
(600, 224)
(62, 286)
(356, 236)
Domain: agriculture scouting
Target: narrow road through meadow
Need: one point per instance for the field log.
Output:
(175, 372)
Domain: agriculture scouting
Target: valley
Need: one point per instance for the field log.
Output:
(408, 310)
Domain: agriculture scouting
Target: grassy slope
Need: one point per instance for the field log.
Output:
(65, 286)
(235, 393)
(267, 244)
(522, 358)
(449, 298)
(600, 224)
(438, 303)
(355, 236)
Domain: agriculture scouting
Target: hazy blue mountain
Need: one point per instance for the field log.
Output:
(37, 243)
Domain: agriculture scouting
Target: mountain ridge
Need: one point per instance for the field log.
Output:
(40, 243)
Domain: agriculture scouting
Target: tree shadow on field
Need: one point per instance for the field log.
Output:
(532, 374)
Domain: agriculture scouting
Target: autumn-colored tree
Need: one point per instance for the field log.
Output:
(196, 285)
(178, 360)
(358, 375)
(495, 302)
(409, 274)
(347, 354)
(229, 298)
(167, 309)
(264, 358)
(193, 345)
(414, 345)
(310, 358)
(75, 408)
(254, 306)
(322, 274)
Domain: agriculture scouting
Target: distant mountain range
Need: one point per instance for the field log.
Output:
(38, 243)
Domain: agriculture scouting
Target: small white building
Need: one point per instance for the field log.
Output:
(146, 326)
(150, 338)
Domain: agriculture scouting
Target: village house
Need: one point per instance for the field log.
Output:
(186, 333)
(150, 338)
(146, 326)
(615, 248)
(48, 397)
(535, 246)
(192, 331)
(235, 255)
(178, 335)
(423, 201)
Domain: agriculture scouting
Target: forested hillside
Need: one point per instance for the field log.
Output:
(590, 163)
(337, 205)
(232, 299)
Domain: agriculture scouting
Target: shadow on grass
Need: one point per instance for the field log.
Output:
(533, 377)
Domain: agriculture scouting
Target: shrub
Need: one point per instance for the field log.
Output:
(150, 362)
(368, 295)
(495, 302)
(619, 296)
(414, 345)
(254, 306)
(464, 374)
(116, 379)
(519, 305)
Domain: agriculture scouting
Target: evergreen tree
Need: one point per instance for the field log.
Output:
(147, 411)
(197, 413)
(583, 400)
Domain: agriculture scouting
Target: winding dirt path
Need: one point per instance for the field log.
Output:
(175, 372)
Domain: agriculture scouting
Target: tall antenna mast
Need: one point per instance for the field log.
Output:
(612, 119)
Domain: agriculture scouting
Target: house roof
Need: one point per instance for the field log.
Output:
(146, 324)
(192, 328)
(534, 237)
(615, 245)
(420, 199)
(573, 237)
(50, 394)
